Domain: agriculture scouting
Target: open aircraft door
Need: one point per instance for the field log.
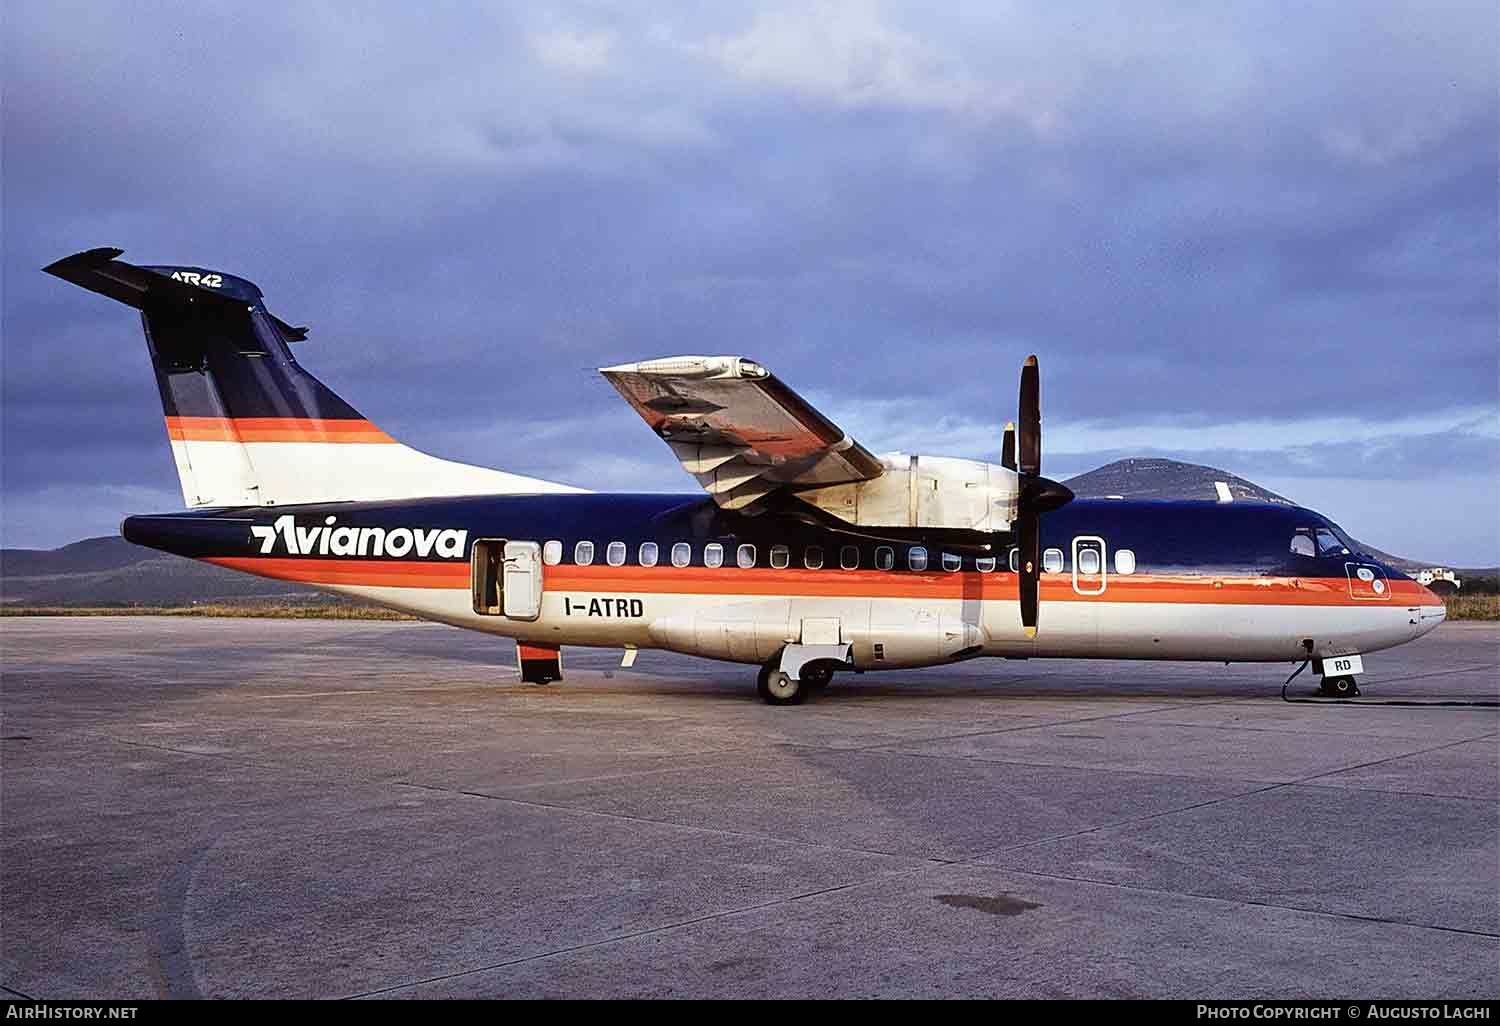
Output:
(507, 578)
(521, 590)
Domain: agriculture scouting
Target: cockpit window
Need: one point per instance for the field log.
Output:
(1329, 544)
(1350, 545)
(1321, 541)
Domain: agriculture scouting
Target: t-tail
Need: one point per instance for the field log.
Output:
(248, 425)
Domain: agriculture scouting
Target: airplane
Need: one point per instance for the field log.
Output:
(807, 556)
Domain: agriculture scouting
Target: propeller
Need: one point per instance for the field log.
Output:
(1021, 451)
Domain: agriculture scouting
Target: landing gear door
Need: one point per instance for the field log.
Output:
(522, 588)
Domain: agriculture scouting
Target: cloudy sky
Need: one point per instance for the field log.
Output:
(1261, 236)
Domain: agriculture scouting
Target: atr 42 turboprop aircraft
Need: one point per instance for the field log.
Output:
(807, 556)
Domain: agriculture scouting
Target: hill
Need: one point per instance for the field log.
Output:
(113, 572)
(1165, 479)
(1173, 479)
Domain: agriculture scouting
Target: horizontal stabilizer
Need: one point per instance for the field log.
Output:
(99, 270)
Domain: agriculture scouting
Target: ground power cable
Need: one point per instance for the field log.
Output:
(1453, 703)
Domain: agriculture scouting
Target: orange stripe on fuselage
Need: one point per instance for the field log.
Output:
(273, 429)
(668, 580)
(372, 573)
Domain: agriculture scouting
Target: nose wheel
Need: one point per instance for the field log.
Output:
(1340, 687)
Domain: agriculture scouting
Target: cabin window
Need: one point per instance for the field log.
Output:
(812, 557)
(849, 557)
(885, 558)
(1014, 560)
(583, 553)
(1088, 561)
(985, 564)
(682, 554)
(1124, 562)
(781, 557)
(647, 554)
(745, 556)
(614, 554)
(1052, 561)
(952, 563)
(916, 558)
(1302, 543)
(552, 552)
(713, 554)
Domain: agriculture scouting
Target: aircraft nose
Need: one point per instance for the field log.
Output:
(1431, 612)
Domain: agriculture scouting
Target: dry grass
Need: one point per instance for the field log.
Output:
(1473, 607)
(265, 612)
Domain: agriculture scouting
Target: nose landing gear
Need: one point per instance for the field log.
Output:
(1339, 687)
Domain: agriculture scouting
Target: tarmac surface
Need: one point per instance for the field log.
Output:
(261, 808)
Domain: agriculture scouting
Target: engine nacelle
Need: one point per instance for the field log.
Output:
(925, 491)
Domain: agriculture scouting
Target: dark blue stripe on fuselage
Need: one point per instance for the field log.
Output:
(1239, 538)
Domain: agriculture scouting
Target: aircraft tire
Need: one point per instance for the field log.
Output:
(817, 677)
(777, 688)
(1340, 687)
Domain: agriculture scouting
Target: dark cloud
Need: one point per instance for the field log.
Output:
(1198, 218)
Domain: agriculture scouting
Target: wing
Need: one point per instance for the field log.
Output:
(738, 429)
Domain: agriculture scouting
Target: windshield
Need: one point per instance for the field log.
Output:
(1330, 545)
(1349, 544)
(1325, 541)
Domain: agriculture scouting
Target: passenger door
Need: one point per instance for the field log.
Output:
(521, 590)
(506, 578)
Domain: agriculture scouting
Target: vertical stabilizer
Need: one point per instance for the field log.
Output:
(248, 425)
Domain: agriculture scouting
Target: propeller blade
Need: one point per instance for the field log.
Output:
(1022, 452)
(1029, 436)
(1029, 542)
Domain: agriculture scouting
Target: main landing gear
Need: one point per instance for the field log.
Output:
(777, 687)
(817, 677)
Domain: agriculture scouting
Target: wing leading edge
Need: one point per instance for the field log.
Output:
(738, 429)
